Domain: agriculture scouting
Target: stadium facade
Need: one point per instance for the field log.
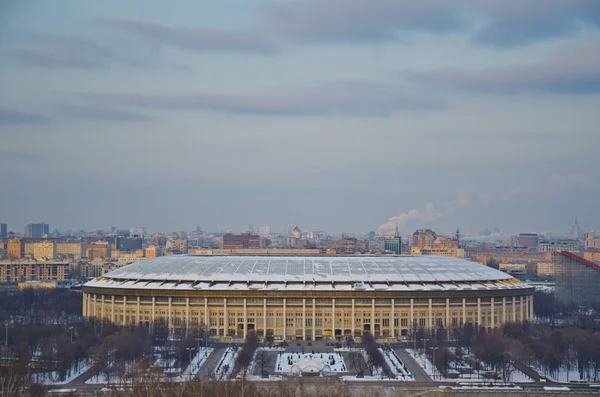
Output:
(308, 297)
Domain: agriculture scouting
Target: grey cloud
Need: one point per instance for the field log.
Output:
(573, 69)
(198, 39)
(66, 52)
(83, 52)
(361, 20)
(507, 23)
(515, 22)
(342, 98)
(102, 113)
(10, 116)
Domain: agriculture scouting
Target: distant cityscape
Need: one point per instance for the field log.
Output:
(39, 254)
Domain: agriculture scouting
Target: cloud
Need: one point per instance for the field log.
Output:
(516, 22)
(462, 199)
(197, 39)
(76, 52)
(502, 24)
(554, 183)
(14, 116)
(427, 214)
(83, 52)
(339, 98)
(572, 69)
(102, 113)
(360, 20)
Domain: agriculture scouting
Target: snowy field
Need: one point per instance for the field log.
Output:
(335, 361)
(393, 361)
(516, 376)
(167, 367)
(567, 374)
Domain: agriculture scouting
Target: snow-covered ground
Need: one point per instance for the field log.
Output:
(167, 367)
(565, 374)
(52, 378)
(395, 364)
(335, 361)
(226, 364)
(425, 363)
(393, 361)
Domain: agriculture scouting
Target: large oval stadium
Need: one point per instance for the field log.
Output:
(308, 298)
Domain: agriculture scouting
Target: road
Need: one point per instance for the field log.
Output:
(411, 364)
(210, 365)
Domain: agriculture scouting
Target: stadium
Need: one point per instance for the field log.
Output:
(308, 298)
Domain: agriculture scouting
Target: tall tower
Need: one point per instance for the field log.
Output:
(575, 232)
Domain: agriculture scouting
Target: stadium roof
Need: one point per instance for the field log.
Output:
(306, 273)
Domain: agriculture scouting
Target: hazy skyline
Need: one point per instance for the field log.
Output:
(340, 116)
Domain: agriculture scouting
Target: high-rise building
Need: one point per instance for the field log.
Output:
(14, 249)
(177, 245)
(44, 250)
(244, 240)
(393, 244)
(98, 250)
(3, 230)
(153, 252)
(28, 270)
(528, 240)
(36, 230)
(575, 231)
(423, 238)
(128, 243)
(70, 248)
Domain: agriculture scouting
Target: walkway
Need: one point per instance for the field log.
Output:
(411, 364)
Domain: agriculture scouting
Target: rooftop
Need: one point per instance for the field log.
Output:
(339, 273)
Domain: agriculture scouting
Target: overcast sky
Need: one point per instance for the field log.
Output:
(338, 115)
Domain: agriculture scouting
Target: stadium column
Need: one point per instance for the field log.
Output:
(314, 335)
(478, 312)
(447, 315)
(412, 315)
(392, 317)
(332, 323)
(284, 319)
(521, 308)
(303, 318)
(170, 314)
(123, 320)
(225, 318)
(531, 316)
(464, 311)
(514, 310)
(245, 317)
(504, 310)
(430, 316)
(187, 320)
(353, 319)
(153, 310)
(264, 318)
(373, 317)
(85, 299)
(137, 312)
(492, 311)
(206, 315)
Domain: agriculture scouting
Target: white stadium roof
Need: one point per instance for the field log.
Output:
(357, 273)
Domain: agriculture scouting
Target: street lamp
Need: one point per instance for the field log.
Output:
(6, 334)
(190, 349)
(433, 356)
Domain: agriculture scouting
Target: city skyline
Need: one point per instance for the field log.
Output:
(467, 115)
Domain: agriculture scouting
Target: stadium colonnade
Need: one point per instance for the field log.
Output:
(308, 298)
